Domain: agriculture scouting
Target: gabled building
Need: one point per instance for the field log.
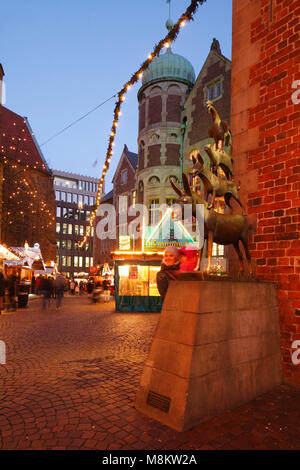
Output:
(122, 196)
(213, 83)
(28, 206)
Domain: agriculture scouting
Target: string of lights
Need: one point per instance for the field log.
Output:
(163, 43)
(77, 120)
(23, 198)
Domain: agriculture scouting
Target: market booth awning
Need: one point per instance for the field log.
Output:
(7, 255)
(29, 256)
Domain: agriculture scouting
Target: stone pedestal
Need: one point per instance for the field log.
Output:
(216, 346)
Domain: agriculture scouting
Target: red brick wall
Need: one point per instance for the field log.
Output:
(154, 155)
(172, 154)
(155, 109)
(173, 108)
(266, 143)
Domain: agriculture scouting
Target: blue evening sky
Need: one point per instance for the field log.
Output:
(62, 58)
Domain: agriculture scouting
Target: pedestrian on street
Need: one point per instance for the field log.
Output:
(169, 270)
(72, 286)
(81, 287)
(89, 286)
(76, 288)
(38, 282)
(59, 284)
(12, 291)
(33, 285)
(46, 291)
(2, 290)
(106, 288)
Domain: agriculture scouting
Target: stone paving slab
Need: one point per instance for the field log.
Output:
(70, 381)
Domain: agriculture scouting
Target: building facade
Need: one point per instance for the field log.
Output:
(265, 119)
(28, 204)
(173, 125)
(75, 197)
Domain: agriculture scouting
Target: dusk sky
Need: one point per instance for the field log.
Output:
(62, 58)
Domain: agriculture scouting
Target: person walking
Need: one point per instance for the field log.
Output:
(89, 286)
(106, 288)
(46, 291)
(59, 284)
(12, 291)
(33, 285)
(169, 270)
(76, 288)
(38, 283)
(2, 291)
(81, 288)
(72, 287)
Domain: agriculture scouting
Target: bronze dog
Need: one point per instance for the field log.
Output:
(213, 185)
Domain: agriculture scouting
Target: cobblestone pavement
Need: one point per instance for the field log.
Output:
(70, 381)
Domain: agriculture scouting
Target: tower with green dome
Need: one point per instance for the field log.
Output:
(165, 86)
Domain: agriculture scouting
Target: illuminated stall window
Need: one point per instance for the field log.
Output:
(136, 280)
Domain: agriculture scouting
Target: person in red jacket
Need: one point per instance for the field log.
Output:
(188, 258)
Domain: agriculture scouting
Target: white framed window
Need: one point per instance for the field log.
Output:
(153, 211)
(217, 250)
(124, 176)
(213, 90)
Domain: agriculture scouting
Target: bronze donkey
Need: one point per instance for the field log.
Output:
(223, 229)
(213, 185)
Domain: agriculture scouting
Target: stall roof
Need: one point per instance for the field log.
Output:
(31, 256)
(6, 254)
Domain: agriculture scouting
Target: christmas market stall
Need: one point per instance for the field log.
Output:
(28, 260)
(135, 281)
(135, 272)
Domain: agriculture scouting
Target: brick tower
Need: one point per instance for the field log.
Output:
(165, 86)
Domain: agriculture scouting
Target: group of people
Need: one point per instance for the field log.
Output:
(10, 286)
(49, 287)
(76, 287)
(175, 261)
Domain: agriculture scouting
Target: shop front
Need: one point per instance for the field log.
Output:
(135, 281)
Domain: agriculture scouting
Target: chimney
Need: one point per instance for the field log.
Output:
(1, 83)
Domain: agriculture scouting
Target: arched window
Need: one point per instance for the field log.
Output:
(173, 178)
(154, 180)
